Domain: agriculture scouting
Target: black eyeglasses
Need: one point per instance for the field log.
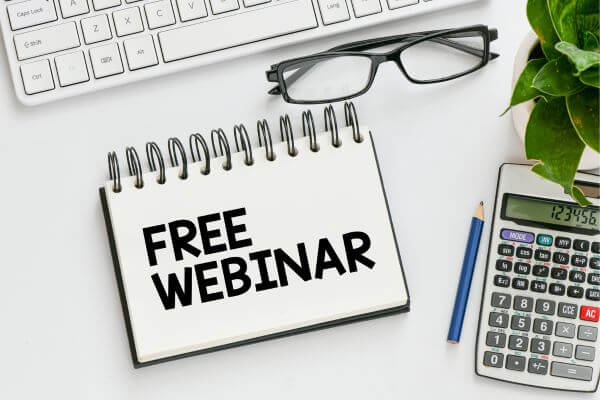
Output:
(348, 71)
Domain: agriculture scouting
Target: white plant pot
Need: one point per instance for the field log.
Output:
(520, 113)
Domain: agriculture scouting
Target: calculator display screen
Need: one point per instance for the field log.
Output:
(554, 214)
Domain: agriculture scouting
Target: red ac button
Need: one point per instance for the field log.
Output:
(589, 313)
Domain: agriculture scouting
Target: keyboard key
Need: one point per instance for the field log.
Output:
(393, 4)
(596, 247)
(519, 343)
(519, 323)
(581, 245)
(491, 359)
(587, 333)
(128, 21)
(160, 13)
(498, 320)
(46, 40)
(564, 350)
(193, 9)
(544, 240)
(501, 300)
(594, 279)
(501, 281)
(71, 8)
(524, 252)
(559, 273)
(515, 363)
(542, 255)
(522, 268)
(520, 284)
(37, 77)
(333, 11)
(585, 353)
(506, 250)
(366, 7)
(96, 29)
(250, 3)
(589, 313)
(545, 307)
(540, 346)
(571, 371)
(523, 303)
(541, 271)
(576, 276)
(537, 366)
(562, 242)
(539, 286)
(71, 68)
(106, 60)
(503, 265)
(557, 289)
(543, 326)
(560, 258)
(565, 330)
(578, 261)
(104, 4)
(21, 16)
(140, 52)
(575, 292)
(222, 6)
(595, 263)
(495, 339)
(592, 294)
(516, 236)
(567, 310)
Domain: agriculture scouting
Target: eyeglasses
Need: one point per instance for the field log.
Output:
(348, 71)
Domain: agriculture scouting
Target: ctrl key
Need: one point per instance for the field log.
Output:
(492, 359)
(37, 77)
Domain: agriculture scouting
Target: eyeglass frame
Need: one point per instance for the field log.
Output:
(275, 74)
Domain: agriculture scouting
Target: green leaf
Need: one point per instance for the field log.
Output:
(556, 78)
(583, 111)
(524, 89)
(590, 42)
(582, 59)
(591, 77)
(588, 19)
(563, 15)
(579, 197)
(551, 139)
(541, 23)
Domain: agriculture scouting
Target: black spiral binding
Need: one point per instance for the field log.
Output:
(199, 149)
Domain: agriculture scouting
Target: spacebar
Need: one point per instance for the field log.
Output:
(237, 29)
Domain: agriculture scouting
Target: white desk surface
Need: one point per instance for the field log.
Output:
(439, 147)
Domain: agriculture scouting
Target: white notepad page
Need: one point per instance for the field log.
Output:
(290, 200)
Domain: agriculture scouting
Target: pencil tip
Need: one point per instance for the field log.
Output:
(481, 203)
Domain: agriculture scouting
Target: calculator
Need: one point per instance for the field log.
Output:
(538, 323)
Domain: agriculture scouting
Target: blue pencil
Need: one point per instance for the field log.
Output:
(466, 276)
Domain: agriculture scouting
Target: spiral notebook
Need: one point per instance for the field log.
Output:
(257, 242)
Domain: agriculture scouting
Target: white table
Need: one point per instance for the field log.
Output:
(439, 146)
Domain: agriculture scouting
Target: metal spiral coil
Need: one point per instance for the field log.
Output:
(264, 135)
(244, 143)
(352, 120)
(285, 126)
(331, 125)
(135, 166)
(196, 138)
(175, 146)
(152, 151)
(308, 128)
(223, 144)
(114, 172)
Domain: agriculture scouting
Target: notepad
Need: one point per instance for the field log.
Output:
(248, 252)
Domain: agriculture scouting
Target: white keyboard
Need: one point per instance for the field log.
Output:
(62, 48)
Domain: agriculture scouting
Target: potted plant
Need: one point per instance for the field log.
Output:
(557, 90)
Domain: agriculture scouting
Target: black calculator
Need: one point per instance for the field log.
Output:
(538, 323)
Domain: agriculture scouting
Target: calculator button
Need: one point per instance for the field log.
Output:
(542, 326)
(506, 250)
(501, 300)
(520, 283)
(578, 261)
(501, 280)
(491, 359)
(519, 343)
(542, 255)
(577, 276)
(537, 366)
(592, 294)
(523, 303)
(589, 313)
(522, 268)
(544, 240)
(541, 271)
(561, 349)
(557, 289)
(545, 307)
(524, 252)
(567, 310)
(595, 263)
(594, 279)
(498, 320)
(565, 330)
(516, 236)
(540, 346)
(560, 258)
(515, 363)
(495, 339)
(575, 292)
(581, 245)
(562, 242)
(538, 286)
(503, 265)
(585, 353)
(559, 273)
(519, 323)
(596, 247)
(587, 333)
(571, 371)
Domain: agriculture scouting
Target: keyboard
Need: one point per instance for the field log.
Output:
(62, 48)
(541, 304)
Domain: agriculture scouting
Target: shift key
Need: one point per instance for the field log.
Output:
(46, 40)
